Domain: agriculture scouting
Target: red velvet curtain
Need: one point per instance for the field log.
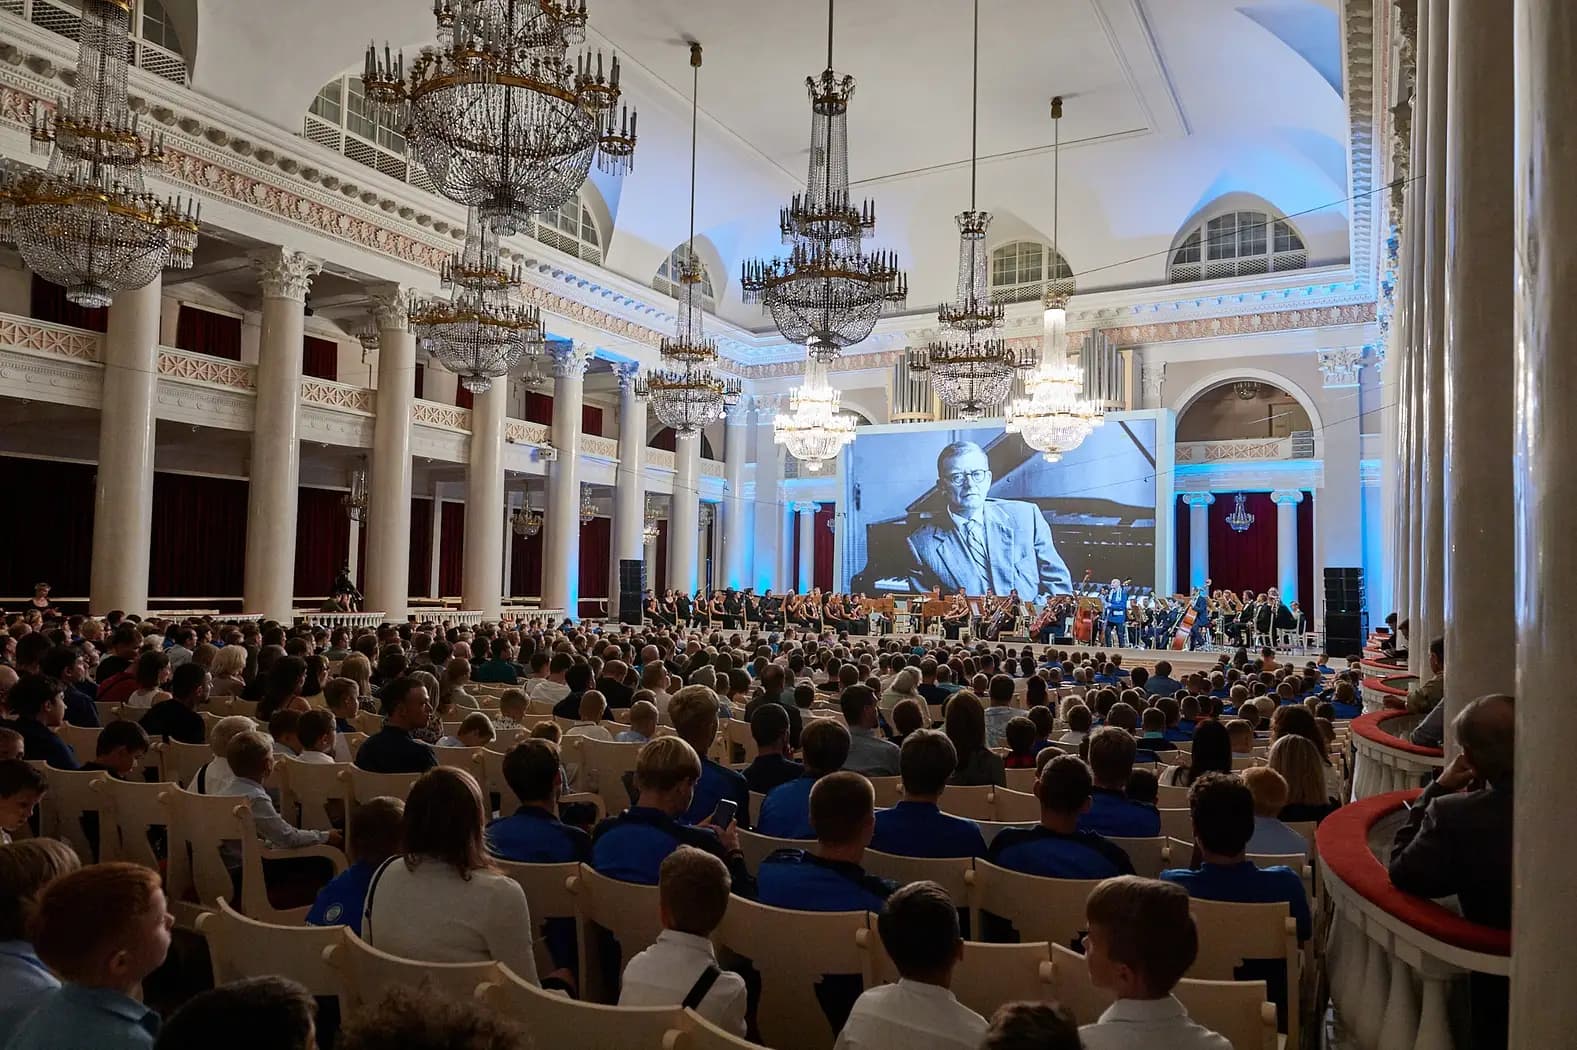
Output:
(1306, 595)
(591, 419)
(49, 303)
(420, 579)
(322, 540)
(320, 360)
(525, 565)
(451, 548)
(463, 398)
(596, 547)
(421, 379)
(47, 538)
(1241, 561)
(205, 332)
(666, 440)
(822, 549)
(659, 583)
(539, 408)
(199, 538)
(1182, 529)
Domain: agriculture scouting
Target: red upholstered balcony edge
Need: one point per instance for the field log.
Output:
(1384, 685)
(1370, 728)
(1344, 848)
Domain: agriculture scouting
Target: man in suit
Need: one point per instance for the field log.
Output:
(1457, 840)
(983, 546)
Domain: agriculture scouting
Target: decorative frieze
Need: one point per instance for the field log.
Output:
(1341, 367)
(336, 395)
(200, 368)
(433, 414)
(52, 340)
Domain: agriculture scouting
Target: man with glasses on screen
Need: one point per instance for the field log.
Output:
(980, 545)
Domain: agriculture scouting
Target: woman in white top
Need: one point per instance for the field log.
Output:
(443, 901)
(152, 671)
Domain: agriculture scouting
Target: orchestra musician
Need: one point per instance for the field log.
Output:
(715, 609)
(1117, 614)
(733, 610)
(958, 614)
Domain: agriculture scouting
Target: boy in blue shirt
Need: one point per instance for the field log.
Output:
(1057, 848)
(786, 812)
(374, 838)
(1111, 752)
(916, 827)
(534, 834)
(693, 712)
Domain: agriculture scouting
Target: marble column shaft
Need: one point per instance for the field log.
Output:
(807, 546)
(769, 516)
(561, 530)
(387, 573)
(629, 490)
(684, 516)
(1286, 502)
(1198, 537)
(482, 557)
(736, 538)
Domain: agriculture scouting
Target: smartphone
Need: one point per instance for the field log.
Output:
(723, 815)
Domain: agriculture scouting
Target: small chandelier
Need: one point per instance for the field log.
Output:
(588, 507)
(355, 501)
(813, 431)
(705, 516)
(87, 221)
(525, 522)
(1246, 389)
(687, 393)
(481, 333)
(973, 368)
(1240, 519)
(497, 114)
(827, 293)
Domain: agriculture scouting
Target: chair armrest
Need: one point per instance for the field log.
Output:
(329, 853)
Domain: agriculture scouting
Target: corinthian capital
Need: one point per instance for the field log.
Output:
(391, 306)
(570, 360)
(285, 274)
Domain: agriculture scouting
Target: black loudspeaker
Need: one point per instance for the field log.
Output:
(1344, 591)
(632, 590)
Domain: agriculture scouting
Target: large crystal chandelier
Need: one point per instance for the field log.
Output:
(972, 368)
(588, 506)
(480, 333)
(87, 221)
(498, 115)
(1054, 417)
(686, 393)
(813, 431)
(827, 292)
(525, 522)
(650, 530)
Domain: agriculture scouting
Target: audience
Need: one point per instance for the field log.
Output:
(376, 828)
(1057, 847)
(643, 723)
(407, 707)
(965, 725)
(26, 867)
(774, 762)
(534, 834)
(176, 717)
(1032, 1026)
(1111, 812)
(1303, 770)
(693, 711)
(38, 707)
(1271, 836)
(916, 826)
(785, 814)
(256, 1013)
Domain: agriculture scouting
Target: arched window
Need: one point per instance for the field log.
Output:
(1236, 244)
(155, 46)
(1020, 270)
(341, 119)
(668, 281)
(571, 229)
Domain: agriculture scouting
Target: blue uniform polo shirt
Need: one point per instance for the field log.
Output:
(921, 829)
(785, 814)
(536, 836)
(719, 782)
(1114, 815)
(343, 900)
(1054, 855)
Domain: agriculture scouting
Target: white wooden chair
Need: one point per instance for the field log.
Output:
(312, 794)
(364, 974)
(604, 765)
(889, 791)
(757, 847)
(130, 810)
(1148, 856)
(626, 910)
(1230, 932)
(988, 975)
(242, 947)
(555, 1020)
(1177, 824)
(1040, 909)
(1021, 780)
(72, 794)
(1012, 806)
(361, 786)
(179, 763)
(973, 802)
(990, 828)
(81, 739)
(547, 897)
(951, 873)
(697, 1033)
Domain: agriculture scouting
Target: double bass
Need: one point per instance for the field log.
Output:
(1185, 626)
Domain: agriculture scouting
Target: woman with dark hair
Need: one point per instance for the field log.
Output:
(965, 725)
(1297, 720)
(1212, 753)
(285, 680)
(317, 676)
(1035, 694)
(443, 901)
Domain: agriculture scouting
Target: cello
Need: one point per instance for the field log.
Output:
(1185, 625)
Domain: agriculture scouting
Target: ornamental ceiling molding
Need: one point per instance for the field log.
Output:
(1363, 57)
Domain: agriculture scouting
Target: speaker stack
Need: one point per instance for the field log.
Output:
(1346, 616)
(632, 590)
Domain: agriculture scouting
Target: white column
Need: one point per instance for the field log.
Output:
(483, 555)
(1198, 537)
(736, 539)
(684, 528)
(512, 500)
(769, 516)
(123, 493)
(649, 553)
(387, 574)
(1479, 580)
(788, 570)
(276, 449)
(1544, 469)
(434, 558)
(1417, 271)
(629, 490)
(561, 530)
(807, 545)
(1286, 501)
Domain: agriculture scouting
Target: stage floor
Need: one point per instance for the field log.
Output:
(1183, 662)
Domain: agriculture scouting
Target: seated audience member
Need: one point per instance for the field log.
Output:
(120, 746)
(907, 716)
(643, 723)
(1427, 695)
(1079, 722)
(315, 733)
(552, 688)
(1020, 737)
(1033, 1026)
(1143, 787)
(578, 680)
(282, 731)
(443, 901)
(177, 718)
(11, 744)
(101, 931)
(680, 968)
(870, 752)
(588, 724)
(1457, 841)
(255, 1013)
(215, 777)
(916, 826)
(499, 668)
(919, 930)
(1111, 812)
(476, 730)
(693, 712)
(392, 749)
(1212, 753)
(631, 846)
(65, 662)
(512, 704)
(1141, 941)
(38, 707)
(1240, 732)
(375, 830)
(965, 725)
(1000, 711)
(785, 814)
(152, 671)
(26, 867)
(402, 1021)
(227, 671)
(774, 763)
(534, 834)
(1271, 836)
(1057, 847)
(1300, 764)
(251, 761)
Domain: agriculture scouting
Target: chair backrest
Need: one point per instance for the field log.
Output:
(737, 733)
(989, 828)
(200, 825)
(547, 897)
(792, 950)
(131, 809)
(179, 763)
(1012, 806)
(947, 872)
(241, 947)
(1230, 932)
(987, 977)
(973, 801)
(604, 764)
(626, 910)
(71, 794)
(353, 742)
(108, 711)
(368, 722)
(466, 758)
(1171, 796)
(1308, 829)
(558, 1021)
(365, 974)
(81, 739)
(1177, 824)
(1021, 780)
(1040, 909)
(697, 1033)
(757, 847)
(889, 790)
(311, 792)
(1148, 856)
(491, 776)
(237, 706)
(362, 785)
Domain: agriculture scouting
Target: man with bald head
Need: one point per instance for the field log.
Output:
(981, 545)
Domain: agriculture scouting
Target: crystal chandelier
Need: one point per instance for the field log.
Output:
(498, 115)
(650, 530)
(686, 393)
(480, 334)
(355, 501)
(1240, 519)
(827, 292)
(1054, 417)
(525, 522)
(813, 431)
(588, 508)
(87, 221)
(972, 369)
(705, 515)
(1246, 389)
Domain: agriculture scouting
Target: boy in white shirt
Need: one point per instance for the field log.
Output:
(592, 706)
(476, 730)
(680, 968)
(1032, 1026)
(315, 733)
(643, 723)
(511, 710)
(919, 929)
(1141, 941)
